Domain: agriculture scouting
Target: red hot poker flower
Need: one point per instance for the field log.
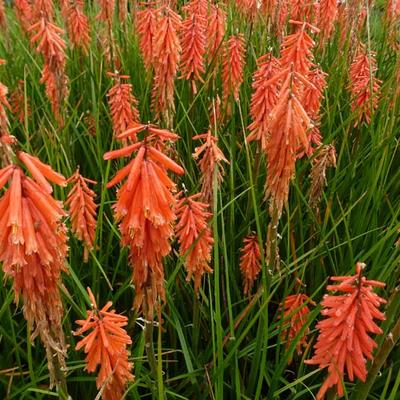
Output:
(23, 10)
(295, 314)
(264, 98)
(193, 40)
(33, 250)
(289, 125)
(343, 342)
(232, 67)
(167, 50)
(123, 104)
(145, 209)
(194, 235)
(78, 26)
(211, 158)
(105, 346)
(82, 211)
(146, 27)
(328, 13)
(215, 33)
(250, 262)
(3, 20)
(362, 70)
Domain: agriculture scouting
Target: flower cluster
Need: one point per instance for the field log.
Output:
(145, 208)
(194, 236)
(343, 342)
(33, 248)
(105, 346)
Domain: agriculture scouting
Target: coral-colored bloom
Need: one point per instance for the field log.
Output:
(106, 13)
(232, 67)
(211, 159)
(42, 9)
(33, 250)
(123, 104)
(248, 8)
(194, 235)
(250, 262)
(23, 10)
(146, 27)
(51, 45)
(311, 101)
(167, 51)
(296, 49)
(82, 211)
(193, 42)
(288, 126)
(105, 346)
(145, 209)
(362, 71)
(343, 342)
(295, 314)
(328, 13)
(264, 98)
(215, 33)
(78, 26)
(49, 42)
(3, 20)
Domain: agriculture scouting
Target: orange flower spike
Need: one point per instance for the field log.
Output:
(193, 41)
(49, 41)
(42, 9)
(82, 207)
(41, 171)
(105, 346)
(295, 314)
(296, 49)
(78, 26)
(393, 11)
(3, 20)
(232, 67)
(215, 33)
(106, 13)
(123, 105)
(145, 209)
(211, 158)
(167, 50)
(288, 125)
(264, 98)
(362, 70)
(343, 343)
(311, 100)
(33, 234)
(194, 236)
(247, 8)
(146, 27)
(328, 14)
(250, 262)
